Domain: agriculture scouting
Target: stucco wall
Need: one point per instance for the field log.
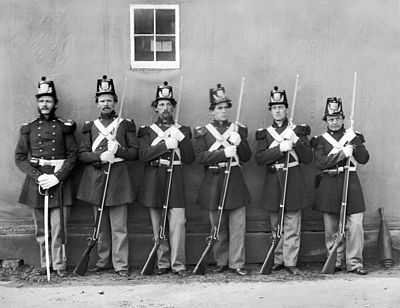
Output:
(74, 42)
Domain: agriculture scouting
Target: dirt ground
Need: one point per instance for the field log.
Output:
(24, 288)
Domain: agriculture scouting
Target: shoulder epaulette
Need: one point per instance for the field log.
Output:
(130, 125)
(69, 126)
(360, 136)
(314, 141)
(25, 128)
(243, 131)
(87, 126)
(302, 130)
(261, 133)
(142, 131)
(199, 131)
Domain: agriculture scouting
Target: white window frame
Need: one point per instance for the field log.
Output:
(155, 64)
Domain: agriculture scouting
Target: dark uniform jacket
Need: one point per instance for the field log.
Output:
(120, 190)
(274, 180)
(154, 190)
(329, 191)
(211, 187)
(49, 139)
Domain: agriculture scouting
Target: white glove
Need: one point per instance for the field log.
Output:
(348, 150)
(293, 136)
(112, 146)
(230, 151)
(47, 181)
(107, 157)
(171, 143)
(234, 138)
(285, 145)
(176, 133)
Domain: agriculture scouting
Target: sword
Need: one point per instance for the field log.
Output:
(46, 230)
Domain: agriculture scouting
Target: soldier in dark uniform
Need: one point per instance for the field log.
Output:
(99, 147)
(158, 142)
(332, 149)
(215, 144)
(273, 145)
(46, 152)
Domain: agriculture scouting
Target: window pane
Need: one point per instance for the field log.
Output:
(143, 50)
(144, 21)
(165, 48)
(165, 21)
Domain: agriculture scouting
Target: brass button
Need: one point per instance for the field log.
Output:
(52, 157)
(53, 149)
(39, 127)
(40, 122)
(54, 141)
(40, 150)
(51, 196)
(38, 135)
(40, 142)
(54, 126)
(53, 133)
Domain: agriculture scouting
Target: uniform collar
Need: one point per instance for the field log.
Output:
(217, 123)
(284, 124)
(339, 132)
(168, 121)
(108, 116)
(52, 116)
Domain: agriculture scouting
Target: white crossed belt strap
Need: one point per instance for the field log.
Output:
(278, 138)
(338, 146)
(221, 139)
(162, 135)
(105, 133)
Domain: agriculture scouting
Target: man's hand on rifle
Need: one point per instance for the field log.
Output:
(176, 133)
(230, 151)
(348, 150)
(293, 136)
(234, 138)
(107, 156)
(286, 145)
(171, 143)
(46, 181)
(112, 146)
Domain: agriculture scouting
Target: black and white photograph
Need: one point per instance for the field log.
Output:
(200, 154)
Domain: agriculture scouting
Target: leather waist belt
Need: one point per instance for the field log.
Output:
(290, 165)
(338, 170)
(56, 163)
(223, 165)
(164, 162)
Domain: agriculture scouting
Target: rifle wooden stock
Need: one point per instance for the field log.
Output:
(200, 268)
(148, 267)
(330, 263)
(268, 263)
(82, 266)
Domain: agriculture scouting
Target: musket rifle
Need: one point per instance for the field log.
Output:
(82, 266)
(268, 263)
(214, 234)
(330, 263)
(149, 265)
